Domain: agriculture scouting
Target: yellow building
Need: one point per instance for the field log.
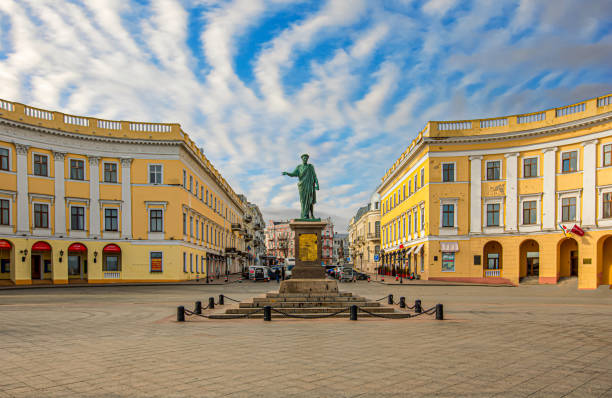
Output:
(91, 200)
(364, 236)
(488, 200)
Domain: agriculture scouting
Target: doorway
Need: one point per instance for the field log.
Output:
(36, 266)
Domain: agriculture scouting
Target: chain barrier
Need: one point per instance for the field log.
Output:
(382, 298)
(387, 316)
(226, 316)
(229, 298)
(310, 316)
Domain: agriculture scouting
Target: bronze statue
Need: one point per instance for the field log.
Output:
(307, 186)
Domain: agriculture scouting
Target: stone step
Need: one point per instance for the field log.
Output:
(322, 295)
(307, 299)
(310, 310)
(301, 304)
(276, 315)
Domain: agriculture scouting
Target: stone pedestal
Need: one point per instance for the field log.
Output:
(308, 276)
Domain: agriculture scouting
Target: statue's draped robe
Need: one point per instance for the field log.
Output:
(306, 187)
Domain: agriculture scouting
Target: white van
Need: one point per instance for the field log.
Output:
(289, 264)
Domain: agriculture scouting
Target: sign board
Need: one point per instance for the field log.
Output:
(348, 259)
(376, 257)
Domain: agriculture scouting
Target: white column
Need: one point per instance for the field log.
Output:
(60, 201)
(549, 190)
(589, 173)
(475, 194)
(126, 196)
(94, 196)
(511, 191)
(23, 214)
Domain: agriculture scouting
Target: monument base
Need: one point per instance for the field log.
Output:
(309, 286)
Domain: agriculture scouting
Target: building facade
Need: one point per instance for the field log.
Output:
(364, 236)
(341, 250)
(96, 201)
(254, 237)
(327, 238)
(504, 199)
(280, 240)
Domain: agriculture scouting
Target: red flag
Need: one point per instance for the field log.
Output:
(577, 230)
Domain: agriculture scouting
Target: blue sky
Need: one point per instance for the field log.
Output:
(256, 83)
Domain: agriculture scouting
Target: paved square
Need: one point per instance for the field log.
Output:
(530, 341)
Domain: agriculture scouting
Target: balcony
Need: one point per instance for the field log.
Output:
(492, 273)
(373, 235)
(236, 226)
(248, 218)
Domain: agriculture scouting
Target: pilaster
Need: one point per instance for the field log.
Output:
(549, 191)
(475, 194)
(94, 196)
(511, 192)
(126, 196)
(23, 214)
(60, 195)
(589, 174)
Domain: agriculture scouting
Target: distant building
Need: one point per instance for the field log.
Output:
(364, 236)
(327, 240)
(255, 246)
(279, 239)
(341, 249)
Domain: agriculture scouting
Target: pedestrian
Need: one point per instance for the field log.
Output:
(283, 274)
(277, 275)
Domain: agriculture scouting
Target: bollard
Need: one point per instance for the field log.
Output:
(198, 307)
(402, 280)
(180, 314)
(221, 299)
(417, 306)
(207, 279)
(353, 312)
(439, 312)
(267, 313)
(211, 303)
(390, 299)
(402, 302)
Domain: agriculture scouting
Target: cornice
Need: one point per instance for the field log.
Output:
(88, 137)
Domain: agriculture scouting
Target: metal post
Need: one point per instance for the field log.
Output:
(180, 314)
(267, 313)
(417, 306)
(211, 302)
(198, 307)
(221, 299)
(439, 312)
(390, 299)
(402, 302)
(353, 312)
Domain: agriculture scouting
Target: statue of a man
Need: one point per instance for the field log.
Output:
(307, 186)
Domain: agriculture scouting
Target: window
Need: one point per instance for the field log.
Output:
(607, 205)
(111, 263)
(197, 229)
(156, 262)
(530, 215)
(569, 161)
(493, 261)
(110, 172)
(184, 179)
(5, 212)
(77, 169)
(77, 218)
(493, 169)
(111, 217)
(422, 219)
(607, 155)
(41, 165)
(493, 215)
(530, 167)
(156, 220)
(184, 224)
(448, 215)
(448, 262)
(422, 177)
(191, 226)
(155, 174)
(409, 187)
(196, 190)
(568, 209)
(184, 262)
(5, 265)
(4, 159)
(190, 183)
(41, 215)
(448, 172)
(190, 262)
(416, 183)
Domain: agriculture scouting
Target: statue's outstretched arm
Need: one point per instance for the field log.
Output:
(294, 173)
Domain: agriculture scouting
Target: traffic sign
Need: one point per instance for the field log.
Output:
(376, 258)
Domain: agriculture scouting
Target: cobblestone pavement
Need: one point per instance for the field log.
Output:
(529, 341)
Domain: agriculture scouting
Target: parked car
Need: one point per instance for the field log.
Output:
(258, 273)
(346, 275)
(360, 276)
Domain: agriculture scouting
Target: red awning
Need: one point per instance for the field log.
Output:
(5, 244)
(41, 246)
(77, 247)
(112, 248)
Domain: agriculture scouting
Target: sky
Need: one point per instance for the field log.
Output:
(257, 83)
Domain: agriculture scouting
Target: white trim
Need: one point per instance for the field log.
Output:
(68, 160)
(77, 231)
(149, 173)
(490, 200)
(573, 193)
(528, 198)
(603, 144)
(448, 230)
(163, 230)
(8, 228)
(404, 177)
(103, 226)
(41, 196)
(48, 164)
(603, 222)
(38, 202)
(454, 163)
(501, 173)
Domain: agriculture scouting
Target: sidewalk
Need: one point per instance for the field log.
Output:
(234, 278)
(390, 280)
